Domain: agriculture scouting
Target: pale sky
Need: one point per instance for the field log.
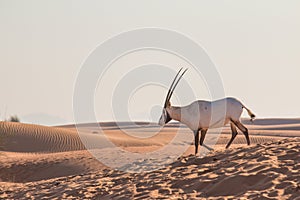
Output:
(255, 46)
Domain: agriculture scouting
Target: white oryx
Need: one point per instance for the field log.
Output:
(202, 115)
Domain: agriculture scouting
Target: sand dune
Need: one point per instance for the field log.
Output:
(54, 162)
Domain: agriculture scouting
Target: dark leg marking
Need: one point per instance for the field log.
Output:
(243, 129)
(234, 134)
(203, 133)
(196, 133)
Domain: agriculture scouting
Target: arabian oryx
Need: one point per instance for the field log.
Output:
(201, 115)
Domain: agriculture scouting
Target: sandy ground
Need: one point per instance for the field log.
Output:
(52, 162)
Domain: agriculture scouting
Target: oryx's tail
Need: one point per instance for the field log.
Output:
(250, 113)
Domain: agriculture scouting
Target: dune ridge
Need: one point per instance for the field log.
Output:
(19, 137)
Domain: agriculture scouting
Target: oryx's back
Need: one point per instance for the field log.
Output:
(212, 114)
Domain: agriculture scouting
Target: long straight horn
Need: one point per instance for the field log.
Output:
(172, 87)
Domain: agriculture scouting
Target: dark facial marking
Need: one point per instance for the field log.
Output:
(168, 118)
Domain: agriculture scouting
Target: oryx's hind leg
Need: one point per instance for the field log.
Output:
(234, 134)
(196, 133)
(203, 133)
(243, 129)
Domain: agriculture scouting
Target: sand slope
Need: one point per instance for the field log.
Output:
(26, 167)
(269, 170)
(52, 162)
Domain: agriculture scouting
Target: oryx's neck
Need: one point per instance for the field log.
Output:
(175, 113)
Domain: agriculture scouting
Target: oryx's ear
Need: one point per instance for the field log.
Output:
(168, 104)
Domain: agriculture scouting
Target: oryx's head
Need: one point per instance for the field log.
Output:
(165, 116)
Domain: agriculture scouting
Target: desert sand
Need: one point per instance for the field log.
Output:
(51, 162)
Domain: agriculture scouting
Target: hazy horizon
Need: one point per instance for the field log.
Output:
(253, 44)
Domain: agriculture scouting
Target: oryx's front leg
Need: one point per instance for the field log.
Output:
(196, 134)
